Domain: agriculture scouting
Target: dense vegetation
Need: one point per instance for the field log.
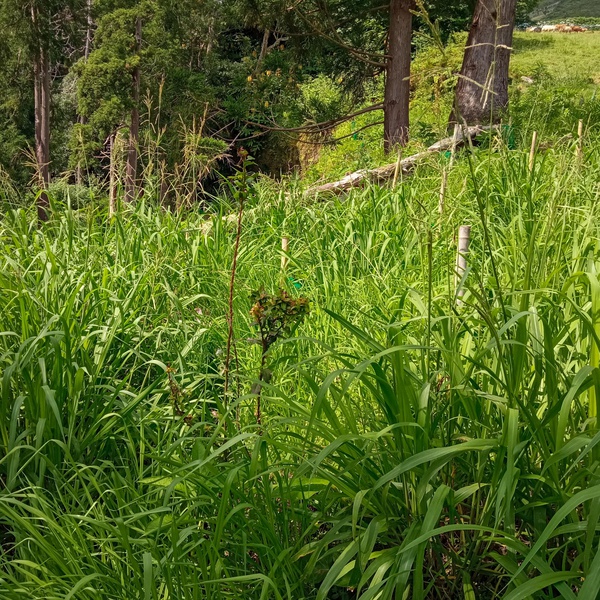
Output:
(231, 387)
(186, 83)
(409, 443)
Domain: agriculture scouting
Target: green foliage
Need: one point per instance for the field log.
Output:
(58, 29)
(559, 97)
(240, 65)
(592, 22)
(553, 107)
(525, 8)
(407, 444)
(322, 100)
(276, 315)
(105, 78)
(13, 145)
(359, 147)
(73, 196)
(227, 69)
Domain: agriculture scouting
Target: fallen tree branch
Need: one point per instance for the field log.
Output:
(379, 174)
(318, 127)
(406, 165)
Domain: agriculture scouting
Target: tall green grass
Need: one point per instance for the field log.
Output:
(411, 447)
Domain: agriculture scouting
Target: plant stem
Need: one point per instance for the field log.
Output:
(242, 198)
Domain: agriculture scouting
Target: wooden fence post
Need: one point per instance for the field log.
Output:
(285, 245)
(464, 239)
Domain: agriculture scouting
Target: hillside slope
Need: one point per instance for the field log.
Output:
(558, 9)
(563, 56)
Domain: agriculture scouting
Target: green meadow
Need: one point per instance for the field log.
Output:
(424, 433)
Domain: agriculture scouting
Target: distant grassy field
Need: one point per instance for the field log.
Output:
(562, 55)
(556, 9)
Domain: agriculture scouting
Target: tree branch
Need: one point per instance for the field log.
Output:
(387, 171)
(317, 127)
(336, 39)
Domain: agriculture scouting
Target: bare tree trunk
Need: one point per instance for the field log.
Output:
(134, 129)
(41, 83)
(482, 89)
(263, 51)
(397, 84)
(86, 55)
(88, 32)
(210, 39)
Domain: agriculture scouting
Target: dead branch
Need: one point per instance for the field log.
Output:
(380, 174)
(406, 165)
(317, 127)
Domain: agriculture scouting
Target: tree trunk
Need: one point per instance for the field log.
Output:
(86, 55)
(134, 129)
(88, 32)
(482, 89)
(263, 51)
(41, 83)
(397, 84)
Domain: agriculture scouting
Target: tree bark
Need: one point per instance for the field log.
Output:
(41, 83)
(263, 51)
(134, 129)
(482, 90)
(397, 83)
(86, 55)
(88, 31)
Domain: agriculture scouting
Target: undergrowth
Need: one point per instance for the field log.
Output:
(411, 446)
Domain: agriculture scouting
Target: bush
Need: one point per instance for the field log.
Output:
(322, 100)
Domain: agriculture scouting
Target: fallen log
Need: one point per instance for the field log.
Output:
(406, 165)
(380, 174)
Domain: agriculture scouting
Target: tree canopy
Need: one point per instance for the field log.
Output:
(230, 70)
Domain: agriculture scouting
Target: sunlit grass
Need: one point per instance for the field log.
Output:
(562, 55)
(410, 444)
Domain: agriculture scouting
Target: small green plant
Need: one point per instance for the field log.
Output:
(177, 397)
(275, 316)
